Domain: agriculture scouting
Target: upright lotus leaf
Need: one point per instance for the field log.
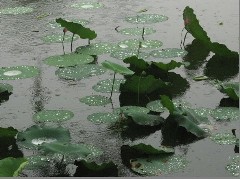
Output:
(131, 109)
(95, 100)
(58, 38)
(136, 64)
(168, 53)
(231, 89)
(224, 138)
(137, 31)
(11, 167)
(16, 10)
(35, 136)
(225, 113)
(155, 106)
(54, 24)
(121, 54)
(96, 48)
(105, 86)
(234, 165)
(103, 117)
(75, 28)
(146, 18)
(168, 66)
(8, 132)
(117, 68)
(4, 87)
(167, 103)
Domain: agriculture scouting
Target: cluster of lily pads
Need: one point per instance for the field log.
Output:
(147, 90)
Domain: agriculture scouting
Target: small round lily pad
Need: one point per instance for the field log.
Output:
(121, 54)
(145, 44)
(137, 31)
(54, 24)
(53, 115)
(57, 38)
(95, 100)
(96, 48)
(156, 106)
(234, 165)
(168, 53)
(66, 60)
(16, 10)
(224, 138)
(5, 87)
(204, 112)
(80, 72)
(87, 5)
(105, 86)
(225, 113)
(131, 109)
(18, 72)
(146, 18)
(103, 117)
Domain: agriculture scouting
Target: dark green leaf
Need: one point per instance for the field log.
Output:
(166, 102)
(117, 68)
(168, 66)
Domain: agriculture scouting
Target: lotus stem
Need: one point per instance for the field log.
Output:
(184, 39)
(113, 84)
(63, 43)
(143, 31)
(72, 42)
(139, 46)
(88, 41)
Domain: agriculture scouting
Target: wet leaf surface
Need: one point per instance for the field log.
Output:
(95, 100)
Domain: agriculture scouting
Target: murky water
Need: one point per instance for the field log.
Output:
(21, 44)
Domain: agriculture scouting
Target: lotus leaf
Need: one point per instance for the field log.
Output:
(37, 162)
(121, 54)
(146, 18)
(18, 72)
(158, 165)
(145, 44)
(87, 5)
(168, 53)
(234, 165)
(131, 109)
(16, 10)
(156, 106)
(200, 78)
(105, 86)
(54, 24)
(137, 31)
(11, 167)
(95, 100)
(224, 138)
(53, 116)
(58, 38)
(35, 136)
(231, 89)
(136, 63)
(168, 66)
(66, 60)
(150, 150)
(4, 87)
(80, 72)
(225, 113)
(96, 48)
(8, 132)
(103, 117)
(117, 68)
(204, 112)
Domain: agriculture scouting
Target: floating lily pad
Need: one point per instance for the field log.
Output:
(117, 68)
(103, 117)
(224, 138)
(156, 106)
(204, 112)
(36, 136)
(131, 109)
(158, 165)
(137, 31)
(145, 44)
(95, 100)
(96, 48)
(121, 54)
(87, 5)
(5, 87)
(37, 162)
(80, 72)
(18, 72)
(225, 113)
(57, 38)
(16, 10)
(54, 24)
(234, 166)
(168, 53)
(105, 86)
(66, 60)
(146, 19)
(53, 116)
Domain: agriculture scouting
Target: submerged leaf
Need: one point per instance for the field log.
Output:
(117, 68)
(224, 138)
(95, 100)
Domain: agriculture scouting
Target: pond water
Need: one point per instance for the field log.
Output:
(21, 44)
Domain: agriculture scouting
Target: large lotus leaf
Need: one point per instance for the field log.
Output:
(58, 38)
(231, 89)
(96, 48)
(137, 31)
(234, 165)
(158, 164)
(146, 18)
(37, 162)
(54, 24)
(18, 72)
(156, 106)
(142, 85)
(168, 66)
(4, 87)
(66, 60)
(121, 54)
(76, 28)
(8, 132)
(222, 50)
(87, 5)
(136, 63)
(35, 136)
(16, 10)
(95, 100)
(117, 68)
(168, 53)
(105, 86)
(131, 109)
(11, 167)
(80, 72)
(144, 119)
(103, 117)
(225, 113)
(224, 138)
(135, 43)
(53, 115)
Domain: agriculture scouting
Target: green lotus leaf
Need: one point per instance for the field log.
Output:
(225, 113)
(11, 167)
(145, 44)
(117, 68)
(66, 60)
(80, 72)
(131, 109)
(8, 132)
(234, 165)
(105, 86)
(158, 164)
(76, 28)
(16, 10)
(167, 103)
(231, 89)
(200, 78)
(87, 5)
(58, 38)
(96, 48)
(224, 138)
(150, 150)
(53, 116)
(146, 18)
(95, 100)
(121, 54)
(54, 24)
(156, 106)
(136, 64)
(35, 136)
(37, 162)
(4, 87)
(103, 117)
(204, 112)
(18, 72)
(144, 119)
(137, 31)
(168, 66)
(168, 53)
